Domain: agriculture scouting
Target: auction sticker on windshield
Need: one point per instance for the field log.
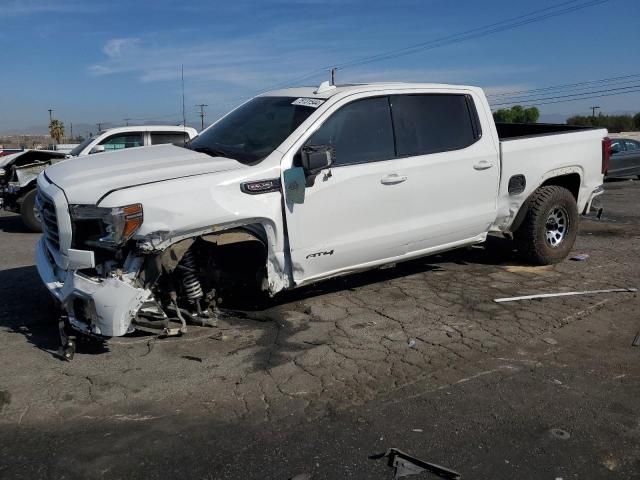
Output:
(308, 102)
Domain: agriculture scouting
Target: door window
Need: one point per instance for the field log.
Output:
(177, 138)
(617, 146)
(123, 140)
(360, 132)
(631, 145)
(433, 123)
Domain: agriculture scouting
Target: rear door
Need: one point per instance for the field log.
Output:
(452, 171)
(617, 160)
(631, 157)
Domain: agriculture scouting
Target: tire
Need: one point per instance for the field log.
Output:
(28, 213)
(550, 226)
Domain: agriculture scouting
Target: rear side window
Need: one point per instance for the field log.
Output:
(433, 123)
(177, 138)
(360, 132)
(631, 145)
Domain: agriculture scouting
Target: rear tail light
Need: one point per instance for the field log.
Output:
(606, 154)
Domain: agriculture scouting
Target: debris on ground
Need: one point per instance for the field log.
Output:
(580, 257)
(550, 341)
(560, 434)
(302, 476)
(564, 294)
(636, 341)
(405, 465)
(411, 343)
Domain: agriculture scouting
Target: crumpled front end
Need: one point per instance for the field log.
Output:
(94, 305)
(98, 299)
(110, 281)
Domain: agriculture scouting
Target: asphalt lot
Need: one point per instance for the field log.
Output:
(417, 357)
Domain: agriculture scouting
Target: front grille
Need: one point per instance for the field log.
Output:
(49, 220)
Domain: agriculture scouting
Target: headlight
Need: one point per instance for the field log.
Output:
(117, 224)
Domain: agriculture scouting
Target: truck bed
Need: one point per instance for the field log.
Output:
(512, 131)
(541, 151)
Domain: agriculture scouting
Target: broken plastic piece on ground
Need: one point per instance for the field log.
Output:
(564, 294)
(580, 257)
(636, 341)
(406, 465)
(411, 343)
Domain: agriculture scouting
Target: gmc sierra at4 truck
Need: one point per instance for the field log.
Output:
(299, 185)
(18, 172)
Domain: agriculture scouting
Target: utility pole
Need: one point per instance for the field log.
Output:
(126, 120)
(333, 75)
(202, 105)
(99, 126)
(50, 115)
(71, 131)
(593, 110)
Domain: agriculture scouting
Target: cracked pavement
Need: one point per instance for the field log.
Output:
(319, 351)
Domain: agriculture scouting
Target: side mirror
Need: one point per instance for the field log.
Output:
(317, 157)
(98, 149)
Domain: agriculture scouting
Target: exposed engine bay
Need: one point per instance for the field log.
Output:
(192, 278)
(186, 283)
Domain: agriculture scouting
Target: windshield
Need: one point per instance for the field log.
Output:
(254, 130)
(76, 150)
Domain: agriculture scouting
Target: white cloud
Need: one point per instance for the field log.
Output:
(116, 46)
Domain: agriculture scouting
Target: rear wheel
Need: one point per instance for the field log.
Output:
(28, 212)
(549, 229)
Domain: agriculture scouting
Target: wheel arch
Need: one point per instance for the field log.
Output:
(569, 178)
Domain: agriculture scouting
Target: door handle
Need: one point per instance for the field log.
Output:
(393, 179)
(483, 165)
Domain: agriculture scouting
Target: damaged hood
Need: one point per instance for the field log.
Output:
(85, 180)
(45, 154)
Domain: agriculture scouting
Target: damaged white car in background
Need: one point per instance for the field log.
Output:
(296, 186)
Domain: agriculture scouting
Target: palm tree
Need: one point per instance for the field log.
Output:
(56, 130)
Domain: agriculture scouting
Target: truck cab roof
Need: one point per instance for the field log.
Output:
(150, 128)
(326, 91)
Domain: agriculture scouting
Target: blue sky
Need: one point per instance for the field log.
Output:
(105, 61)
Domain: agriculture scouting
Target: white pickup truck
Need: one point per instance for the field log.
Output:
(299, 185)
(18, 172)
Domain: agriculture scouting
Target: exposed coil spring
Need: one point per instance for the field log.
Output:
(190, 282)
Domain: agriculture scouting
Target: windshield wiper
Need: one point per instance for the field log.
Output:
(214, 152)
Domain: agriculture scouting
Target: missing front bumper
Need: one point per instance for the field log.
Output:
(104, 306)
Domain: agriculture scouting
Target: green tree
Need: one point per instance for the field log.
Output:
(613, 123)
(636, 121)
(56, 130)
(517, 114)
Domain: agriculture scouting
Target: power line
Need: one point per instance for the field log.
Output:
(568, 86)
(568, 96)
(537, 104)
(508, 24)
(503, 25)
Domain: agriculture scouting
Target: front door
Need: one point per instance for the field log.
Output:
(352, 213)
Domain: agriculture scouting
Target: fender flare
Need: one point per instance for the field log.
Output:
(551, 174)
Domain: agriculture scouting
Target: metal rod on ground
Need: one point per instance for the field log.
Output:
(564, 294)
